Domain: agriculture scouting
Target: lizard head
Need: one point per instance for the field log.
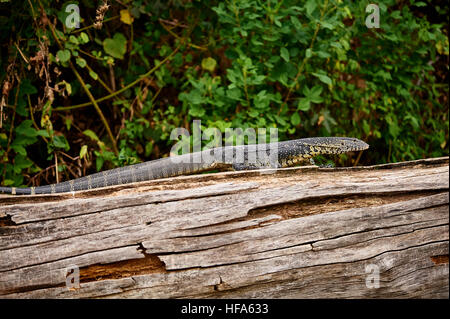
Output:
(310, 147)
(295, 151)
(291, 152)
(335, 145)
(342, 144)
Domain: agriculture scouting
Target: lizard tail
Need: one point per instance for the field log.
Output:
(46, 189)
(15, 190)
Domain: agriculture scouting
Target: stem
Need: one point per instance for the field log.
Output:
(32, 118)
(8, 147)
(97, 108)
(178, 37)
(155, 96)
(100, 80)
(130, 46)
(86, 90)
(91, 26)
(244, 73)
(300, 69)
(358, 158)
(107, 97)
(56, 168)
(89, 55)
(21, 53)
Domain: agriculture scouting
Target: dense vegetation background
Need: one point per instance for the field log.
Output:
(107, 94)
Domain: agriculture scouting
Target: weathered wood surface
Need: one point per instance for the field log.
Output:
(292, 233)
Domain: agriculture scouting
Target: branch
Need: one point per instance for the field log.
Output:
(107, 97)
(300, 69)
(86, 89)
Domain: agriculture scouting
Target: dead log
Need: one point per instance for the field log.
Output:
(362, 232)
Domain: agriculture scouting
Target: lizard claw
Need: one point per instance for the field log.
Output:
(329, 165)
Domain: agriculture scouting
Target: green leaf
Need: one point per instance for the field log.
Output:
(91, 134)
(304, 104)
(68, 88)
(63, 55)
(81, 62)
(327, 25)
(296, 22)
(21, 162)
(284, 53)
(323, 55)
(316, 90)
(295, 119)
(280, 120)
(209, 64)
(83, 151)
(25, 128)
(308, 53)
(195, 97)
(60, 142)
(253, 113)
(19, 149)
(93, 75)
(322, 77)
(366, 127)
(8, 182)
(231, 54)
(196, 111)
(43, 133)
(255, 41)
(68, 122)
(117, 46)
(74, 40)
(99, 163)
(314, 94)
(148, 149)
(126, 17)
(22, 107)
(396, 14)
(27, 88)
(84, 37)
(177, 60)
(234, 94)
(311, 5)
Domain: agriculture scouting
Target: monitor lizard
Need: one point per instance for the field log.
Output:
(241, 157)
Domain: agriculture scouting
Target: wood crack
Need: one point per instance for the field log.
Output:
(295, 233)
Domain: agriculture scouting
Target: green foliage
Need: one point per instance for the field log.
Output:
(115, 47)
(308, 68)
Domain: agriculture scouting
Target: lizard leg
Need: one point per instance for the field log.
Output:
(248, 166)
(244, 166)
(311, 160)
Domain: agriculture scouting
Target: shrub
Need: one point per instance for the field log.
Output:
(308, 68)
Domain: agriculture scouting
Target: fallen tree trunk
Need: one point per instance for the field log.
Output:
(365, 232)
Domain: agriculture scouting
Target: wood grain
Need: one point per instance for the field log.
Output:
(300, 232)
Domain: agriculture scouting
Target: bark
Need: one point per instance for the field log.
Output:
(362, 232)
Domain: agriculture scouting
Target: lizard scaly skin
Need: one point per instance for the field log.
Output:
(241, 157)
